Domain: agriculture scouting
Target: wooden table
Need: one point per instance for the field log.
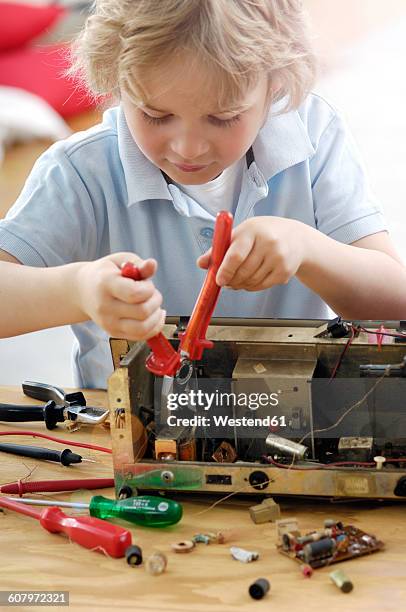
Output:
(207, 579)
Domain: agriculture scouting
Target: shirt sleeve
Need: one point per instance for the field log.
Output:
(344, 207)
(53, 220)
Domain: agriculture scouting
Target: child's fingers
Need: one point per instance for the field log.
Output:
(204, 260)
(140, 311)
(233, 259)
(142, 330)
(148, 268)
(130, 291)
(252, 268)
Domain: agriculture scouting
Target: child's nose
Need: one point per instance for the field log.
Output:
(190, 147)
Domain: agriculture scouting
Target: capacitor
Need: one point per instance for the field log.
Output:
(287, 447)
(321, 548)
(259, 588)
(341, 581)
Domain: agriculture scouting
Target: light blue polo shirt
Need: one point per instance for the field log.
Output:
(96, 193)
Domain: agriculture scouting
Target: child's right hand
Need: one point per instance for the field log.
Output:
(124, 308)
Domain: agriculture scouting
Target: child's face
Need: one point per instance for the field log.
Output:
(181, 131)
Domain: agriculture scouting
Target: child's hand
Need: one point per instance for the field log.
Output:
(264, 251)
(124, 308)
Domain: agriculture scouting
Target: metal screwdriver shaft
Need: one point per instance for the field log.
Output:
(147, 510)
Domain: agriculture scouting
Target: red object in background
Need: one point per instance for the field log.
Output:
(39, 70)
(20, 23)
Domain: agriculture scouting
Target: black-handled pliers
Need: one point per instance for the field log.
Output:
(60, 406)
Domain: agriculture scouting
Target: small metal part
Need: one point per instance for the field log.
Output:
(288, 525)
(267, 511)
(240, 554)
(165, 448)
(201, 537)
(133, 555)
(225, 453)
(306, 570)
(156, 563)
(259, 588)
(184, 546)
(185, 372)
(342, 581)
(167, 476)
(355, 448)
(379, 462)
(286, 447)
(125, 492)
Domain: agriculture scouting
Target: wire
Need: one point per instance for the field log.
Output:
(59, 440)
(341, 357)
(377, 332)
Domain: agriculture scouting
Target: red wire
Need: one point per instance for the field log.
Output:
(347, 345)
(59, 440)
(33, 486)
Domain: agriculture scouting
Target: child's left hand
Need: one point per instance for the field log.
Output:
(264, 251)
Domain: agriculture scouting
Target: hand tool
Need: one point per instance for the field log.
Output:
(41, 486)
(60, 406)
(146, 510)
(87, 531)
(66, 457)
(164, 360)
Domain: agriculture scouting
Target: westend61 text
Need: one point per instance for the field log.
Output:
(225, 421)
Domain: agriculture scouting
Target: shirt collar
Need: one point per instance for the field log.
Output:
(281, 143)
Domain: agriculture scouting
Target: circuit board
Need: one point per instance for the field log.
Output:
(328, 545)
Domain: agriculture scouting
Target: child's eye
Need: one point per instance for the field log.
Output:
(155, 120)
(225, 122)
(215, 120)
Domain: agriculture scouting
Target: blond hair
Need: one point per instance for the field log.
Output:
(240, 39)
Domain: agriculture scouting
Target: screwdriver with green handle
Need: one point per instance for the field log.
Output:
(146, 510)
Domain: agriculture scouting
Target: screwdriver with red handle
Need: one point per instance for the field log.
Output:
(88, 531)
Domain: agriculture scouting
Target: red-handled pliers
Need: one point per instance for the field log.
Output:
(163, 359)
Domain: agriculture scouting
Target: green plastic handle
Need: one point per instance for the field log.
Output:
(147, 510)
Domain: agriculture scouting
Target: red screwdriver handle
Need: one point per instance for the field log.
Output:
(163, 359)
(88, 531)
(193, 341)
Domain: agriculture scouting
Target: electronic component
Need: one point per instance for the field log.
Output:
(156, 563)
(353, 448)
(184, 546)
(286, 447)
(133, 555)
(240, 554)
(259, 588)
(283, 371)
(326, 546)
(341, 581)
(267, 511)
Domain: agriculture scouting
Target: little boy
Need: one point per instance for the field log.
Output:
(214, 114)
